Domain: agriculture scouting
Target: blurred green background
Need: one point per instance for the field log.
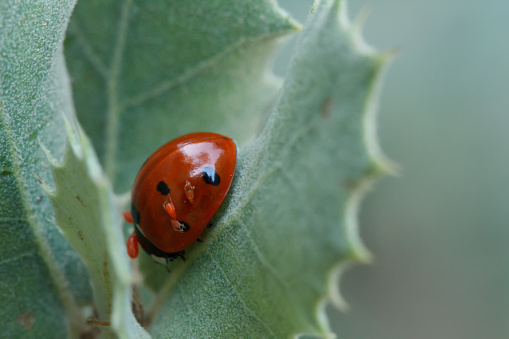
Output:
(439, 232)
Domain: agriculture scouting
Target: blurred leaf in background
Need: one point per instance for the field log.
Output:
(439, 232)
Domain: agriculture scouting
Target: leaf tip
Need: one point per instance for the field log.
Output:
(51, 159)
(73, 137)
(293, 25)
(360, 20)
(334, 293)
(323, 319)
(385, 166)
(358, 251)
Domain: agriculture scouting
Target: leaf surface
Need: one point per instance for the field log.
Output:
(42, 279)
(288, 228)
(86, 212)
(146, 72)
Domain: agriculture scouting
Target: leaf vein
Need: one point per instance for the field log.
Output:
(242, 301)
(196, 70)
(14, 219)
(94, 59)
(261, 257)
(114, 110)
(16, 258)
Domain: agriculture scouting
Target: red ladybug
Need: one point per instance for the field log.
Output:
(177, 192)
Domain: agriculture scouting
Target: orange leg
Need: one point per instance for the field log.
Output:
(128, 217)
(132, 246)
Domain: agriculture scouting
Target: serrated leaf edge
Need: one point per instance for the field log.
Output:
(381, 165)
(82, 149)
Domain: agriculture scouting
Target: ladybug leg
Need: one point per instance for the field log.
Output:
(132, 246)
(128, 217)
(211, 222)
(209, 225)
(174, 256)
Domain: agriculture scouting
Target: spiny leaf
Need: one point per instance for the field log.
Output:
(155, 70)
(289, 226)
(85, 210)
(43, 280)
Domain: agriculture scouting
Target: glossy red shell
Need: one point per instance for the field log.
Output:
(180, 164)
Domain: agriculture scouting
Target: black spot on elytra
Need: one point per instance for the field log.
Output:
(185, 225)
(210, 176)
(163, 188)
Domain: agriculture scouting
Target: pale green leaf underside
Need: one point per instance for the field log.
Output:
(266, 267)
(85, 211)
(42, 279)
(146, 72)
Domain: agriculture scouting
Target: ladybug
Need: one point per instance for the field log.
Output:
(177, 192)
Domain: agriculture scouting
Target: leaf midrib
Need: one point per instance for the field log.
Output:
(114, 111)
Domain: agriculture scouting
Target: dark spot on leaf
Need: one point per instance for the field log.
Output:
(350, 184)
(137, 307)
(80, 235)
(326, 108)
(163, 188)
(106, 272)
(38, 179)
(210, 176)
(79, 199)
(26, 320)
(5, 172)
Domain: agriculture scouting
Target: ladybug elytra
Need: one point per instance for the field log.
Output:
(177, 192)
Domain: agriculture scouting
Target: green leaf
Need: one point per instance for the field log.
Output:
(288, 229)
(146, 72)
(85, 210)
(285, 232)
(42, 279)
